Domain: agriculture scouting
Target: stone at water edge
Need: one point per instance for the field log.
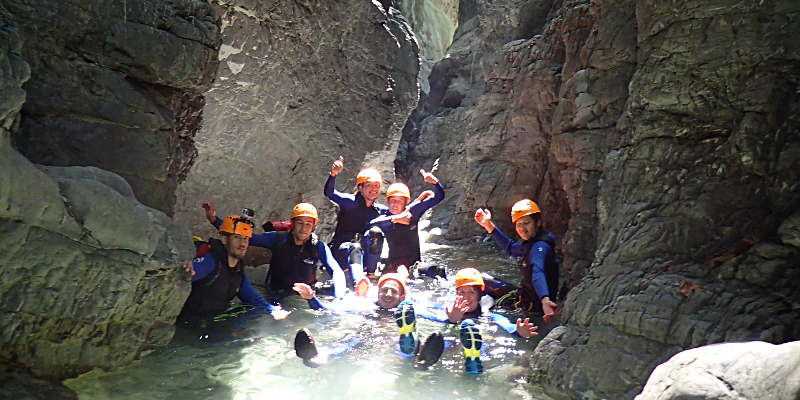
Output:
(752, 370)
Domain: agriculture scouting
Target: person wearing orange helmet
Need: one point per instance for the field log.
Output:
(539, 269)
(400, 226)
(218, 276)
(469, 304)
(295, 254)
(355, 211)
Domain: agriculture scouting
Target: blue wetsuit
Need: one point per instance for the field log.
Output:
(277, 241)
(403, 239)
(539, 267)
(214, 285)
(353, 218)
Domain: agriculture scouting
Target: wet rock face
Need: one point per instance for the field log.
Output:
(754, 370)
(300, 83)
(653, 137)
(89, 275)
(117, 85)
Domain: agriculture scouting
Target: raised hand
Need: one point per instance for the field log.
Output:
(526, 329)
(484, 218)
(211, 211)
(337, 166)
(456, 311)
(428, 177)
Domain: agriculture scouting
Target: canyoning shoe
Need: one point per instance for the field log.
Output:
(406, 320)
(430, 351)
(305, 347)
(471, 342)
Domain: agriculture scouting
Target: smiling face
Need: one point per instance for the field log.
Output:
(302, 228)
(370, 190)
(525, 227)
(472, 294)
(235, 245)
(390, 294)
(397, 204)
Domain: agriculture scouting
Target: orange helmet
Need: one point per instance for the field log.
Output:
(398, 189)
(305, 210)
(236, 225)
(400, 279)
(368, 175)
(469, 277)
(522, 208)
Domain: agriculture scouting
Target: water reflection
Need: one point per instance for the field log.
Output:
(257, 360)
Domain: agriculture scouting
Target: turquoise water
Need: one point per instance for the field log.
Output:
(256, 360)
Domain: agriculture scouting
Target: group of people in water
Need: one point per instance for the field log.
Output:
(352, 259)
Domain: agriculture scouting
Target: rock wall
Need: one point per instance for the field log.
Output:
(433, 22)
(300, 83)
(660, 139)
(116, 85)
(88, 275)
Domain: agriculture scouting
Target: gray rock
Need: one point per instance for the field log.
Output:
(639, 128)
(790, 230)
(754, 370)
(298, 84)
(88, 275)
(116, 85)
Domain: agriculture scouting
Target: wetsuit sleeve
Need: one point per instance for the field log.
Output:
(333, 268)
(203, 266)
(249, 295)
(383, 221)
(267, 240)
(418, 209)
(217, 222)
(344, 200)
(537, 256)
(511, 247)
(432, 316)
(504, 323)
(316, 304)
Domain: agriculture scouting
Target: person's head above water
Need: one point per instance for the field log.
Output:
(304, 221)
(526, 216)
(235, 233)
(397, 197)
(470, 286)
(392, 288)
(368, 183)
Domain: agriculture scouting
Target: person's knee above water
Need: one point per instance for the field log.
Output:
(296, 253)
(355, 210)
(539, 269)
(218, 276)
(400, 226)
